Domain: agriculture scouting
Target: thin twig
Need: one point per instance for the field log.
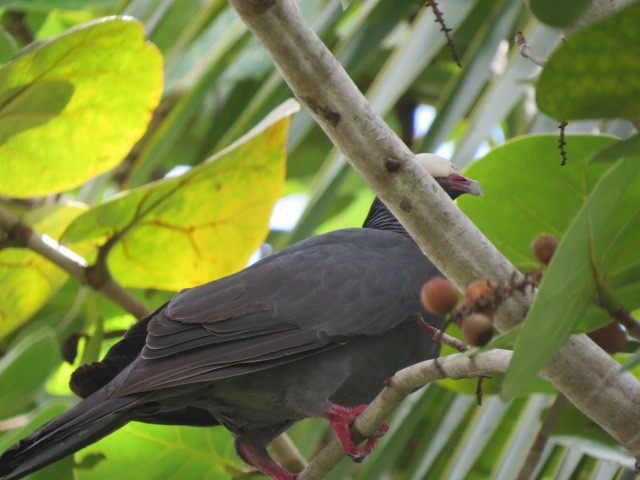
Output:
(446, 30)
(562, 143)
(69, 261)
(526, 51)
(441, 337)
(400, 385)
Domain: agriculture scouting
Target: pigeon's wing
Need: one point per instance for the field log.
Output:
(303, 300)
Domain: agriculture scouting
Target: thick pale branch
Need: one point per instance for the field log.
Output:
(580, 370)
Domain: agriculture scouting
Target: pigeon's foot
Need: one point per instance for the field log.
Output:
(341, 418)
(257, 456)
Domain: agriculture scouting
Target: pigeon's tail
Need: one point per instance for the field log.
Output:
(84, 424)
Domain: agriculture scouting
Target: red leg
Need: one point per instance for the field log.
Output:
(341, 418)
(258, 457)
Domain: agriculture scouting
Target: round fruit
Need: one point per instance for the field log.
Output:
(611, 338)
(479, 289)
(543, 247)
(477, 329)
(439, 296)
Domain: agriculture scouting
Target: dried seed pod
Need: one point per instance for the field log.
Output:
(543, 247)
(611, 338)
(482, 288)
(477, 329)
(480, 296)
(439, 296)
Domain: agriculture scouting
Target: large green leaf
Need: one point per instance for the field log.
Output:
(596, 72)
(71, 107)
(527, 192)
(28, 280)
(558, 14)
(24, 369)
(47, 5)
(600, 253)
(185, 231)
(158, 451)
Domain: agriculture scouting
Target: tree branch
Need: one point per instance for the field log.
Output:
(77, 267)
(580, 370)
(70, 262)
(399, 386)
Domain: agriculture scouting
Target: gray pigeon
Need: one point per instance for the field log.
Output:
(311, 331)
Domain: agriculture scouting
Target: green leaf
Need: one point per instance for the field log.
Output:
(622, 148)
(24, 369)
(47, 5)
(595, 73)
(558, 14)
(601, 246)
(202, 225)
(34, 419)
(527, 192)
(28, 280)
(169, 452)
(72, 106)
(8, 45)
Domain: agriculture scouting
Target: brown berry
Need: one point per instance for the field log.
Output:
(477, 329)
(439, 296)
(480, 297)
(543, 247)
(611, 338)
(482, 288)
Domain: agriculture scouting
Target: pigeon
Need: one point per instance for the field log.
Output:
(313, 330)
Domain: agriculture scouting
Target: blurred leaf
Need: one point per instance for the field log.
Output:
(24, 369)
(595, 73)
(158, 451)
(47, 5)
(502, 95)
(59, 99)
(224, 41)
(202, 225)
(527, 193)
(622, 148)
(28, 280)
(8, 45)
(558, 14)
(574, 423)
(600, 247)
(34, 419)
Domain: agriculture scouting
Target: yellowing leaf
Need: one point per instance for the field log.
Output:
(185, 231)
(72, 106)
(28, 280)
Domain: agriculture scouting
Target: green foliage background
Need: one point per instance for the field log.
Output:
(96, 110)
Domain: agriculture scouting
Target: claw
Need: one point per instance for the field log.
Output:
(341, 419)
(256, 455)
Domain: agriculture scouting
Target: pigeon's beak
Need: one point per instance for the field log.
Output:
(456, 184)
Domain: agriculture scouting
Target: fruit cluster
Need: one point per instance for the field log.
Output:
(475, 314)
